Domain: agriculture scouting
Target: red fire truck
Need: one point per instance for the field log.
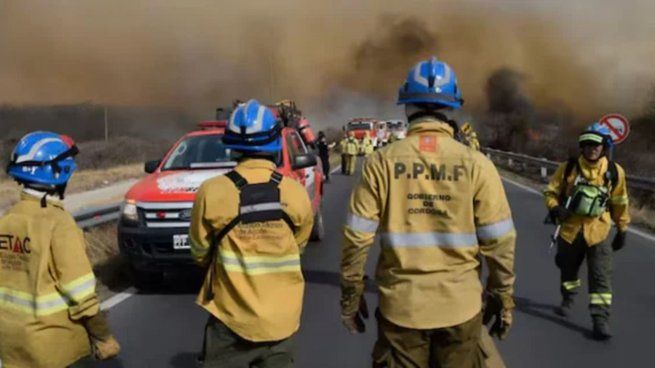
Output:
(375, 129)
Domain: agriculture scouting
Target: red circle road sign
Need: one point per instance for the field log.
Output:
(618, 126)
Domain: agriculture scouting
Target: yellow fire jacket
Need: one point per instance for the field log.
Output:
(349, 146)
(367, 146)
(46, 286)
(258, 284)
(437, 206)
(470, 136)
(595, 229)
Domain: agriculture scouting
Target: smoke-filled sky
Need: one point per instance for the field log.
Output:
(348, 57)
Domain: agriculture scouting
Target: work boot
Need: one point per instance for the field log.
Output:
(564, 309)
(601, 329)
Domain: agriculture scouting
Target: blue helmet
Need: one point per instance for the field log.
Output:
(596, 133)
(43, 160)
(253, 128)
(431, 82)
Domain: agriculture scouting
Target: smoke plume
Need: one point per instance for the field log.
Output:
(337, 59)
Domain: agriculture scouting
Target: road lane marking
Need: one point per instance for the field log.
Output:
(631, 229)
(335, 169)
(117, 299)
(522, 186)
(641, 233)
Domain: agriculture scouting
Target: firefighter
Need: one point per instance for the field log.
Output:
(248, 228)
(342, 148)
(438, 208)
(49, 311)
(349, 149)
(324, 154)
(583, 195)
(469, 136)
(367, 145)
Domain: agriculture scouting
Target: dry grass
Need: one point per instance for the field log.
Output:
(9, 192)
(101, 242)
(109, 267)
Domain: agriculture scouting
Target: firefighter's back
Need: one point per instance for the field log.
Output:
(427, 272)
(34, 316)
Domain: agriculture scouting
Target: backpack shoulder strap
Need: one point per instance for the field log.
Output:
(276, 178)
(612, 175)
(239, 182)
(236, 178)
(571, 163)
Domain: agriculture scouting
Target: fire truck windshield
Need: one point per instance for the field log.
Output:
(199, 152)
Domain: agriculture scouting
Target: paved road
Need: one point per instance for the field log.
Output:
(165, 329)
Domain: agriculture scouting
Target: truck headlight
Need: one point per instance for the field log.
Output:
(129, 212)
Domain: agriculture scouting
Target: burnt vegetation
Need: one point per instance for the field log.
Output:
(136, 134)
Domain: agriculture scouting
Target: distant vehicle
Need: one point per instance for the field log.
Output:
(374, 128)
(397, 128)
(155, 217)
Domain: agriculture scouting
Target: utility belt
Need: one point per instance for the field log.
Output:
(589, 200)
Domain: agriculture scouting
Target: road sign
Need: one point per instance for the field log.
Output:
(618, 126)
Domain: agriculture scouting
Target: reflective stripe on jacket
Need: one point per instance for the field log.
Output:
(595, 229)
(46, 286)
(437, 206)
(258, 284)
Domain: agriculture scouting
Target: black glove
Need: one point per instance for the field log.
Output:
(559, 214)
(502, 317)
(619, 240)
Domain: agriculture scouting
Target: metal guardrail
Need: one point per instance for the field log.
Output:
(91, 217)
(546, 166)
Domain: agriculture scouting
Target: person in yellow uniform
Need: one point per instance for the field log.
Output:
(249, 228)
(584, 195)
(49, 311)
(438, 207)
(367, 145)
(350, 149)
(469, 136)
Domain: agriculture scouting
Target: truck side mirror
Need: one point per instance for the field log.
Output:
(303, 161)
(151, 166)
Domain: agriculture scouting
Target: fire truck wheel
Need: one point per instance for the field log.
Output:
(318, 231)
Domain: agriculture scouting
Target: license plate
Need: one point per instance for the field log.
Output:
(181, 242)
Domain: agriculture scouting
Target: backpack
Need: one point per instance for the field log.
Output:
(257, 203)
